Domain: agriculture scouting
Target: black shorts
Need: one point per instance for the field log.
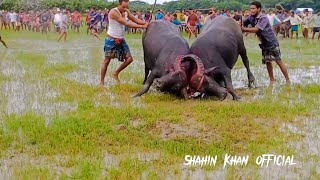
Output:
(271, 54)
(316, 29)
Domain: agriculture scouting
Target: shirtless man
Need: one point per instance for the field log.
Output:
(115, 44)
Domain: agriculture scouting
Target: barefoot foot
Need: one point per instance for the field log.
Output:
(116, 77)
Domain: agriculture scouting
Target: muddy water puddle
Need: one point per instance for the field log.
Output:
(303, 75)
(20, 95)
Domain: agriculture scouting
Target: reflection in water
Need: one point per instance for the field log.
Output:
(303, 75)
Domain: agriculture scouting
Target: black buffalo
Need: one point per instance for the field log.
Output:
(219, 46)
(166, 55)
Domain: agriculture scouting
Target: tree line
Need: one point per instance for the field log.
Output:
(171, 6)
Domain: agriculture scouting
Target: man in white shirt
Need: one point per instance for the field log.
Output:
(306, 24)
(57, 20)
(295, 20)
(13, 19)
(316, 26)
(273, 20)
(64, 26)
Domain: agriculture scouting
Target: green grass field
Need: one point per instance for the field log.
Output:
(56, 122)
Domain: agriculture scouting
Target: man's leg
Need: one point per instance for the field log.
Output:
(313, 35)
(12, 24)
(291, 34)
(128, 61)
(5, 45)
(307, 33)
(65, 36)
(283, 70)
(62, 34)
(94, 33)
(104, 68)
(270, 71)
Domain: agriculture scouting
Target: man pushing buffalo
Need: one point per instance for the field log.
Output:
(269, 43)
(115, 44)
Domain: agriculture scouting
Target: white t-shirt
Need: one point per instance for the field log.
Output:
(271, 18)
(57, 18)
(316, 21)
(186, 19)
(296, 20)
(307, 21)
(13, 17)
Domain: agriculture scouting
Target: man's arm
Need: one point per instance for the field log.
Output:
(277, 18)
(287, 19)
(250, 30)
(260, 26)
(116, 16)
(134, 19)
(245, 22)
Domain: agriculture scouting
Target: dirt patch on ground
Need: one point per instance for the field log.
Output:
(189, 128)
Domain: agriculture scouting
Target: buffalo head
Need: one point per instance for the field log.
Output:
(176, 81)
(201, 80)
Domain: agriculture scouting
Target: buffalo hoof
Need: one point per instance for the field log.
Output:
(224, 95)
(252, 82)
(236, 98)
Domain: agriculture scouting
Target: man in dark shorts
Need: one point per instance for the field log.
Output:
(76, 17)
(269, 43)
(93, 23)
(115, 44)
(316, 27)
(45, 18)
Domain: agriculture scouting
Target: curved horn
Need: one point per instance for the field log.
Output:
(197, 77)
(177, 63)
(197, 60)
(207, 71)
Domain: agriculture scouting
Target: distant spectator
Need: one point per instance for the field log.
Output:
(168, 17)
(192, 23)
(76, 18)
(316, 27)
(306, 24)
(159, 15)
(295, 20)
(64, 26)
(57, 20)
(148, 16)
(175, 20)
(237, 17)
